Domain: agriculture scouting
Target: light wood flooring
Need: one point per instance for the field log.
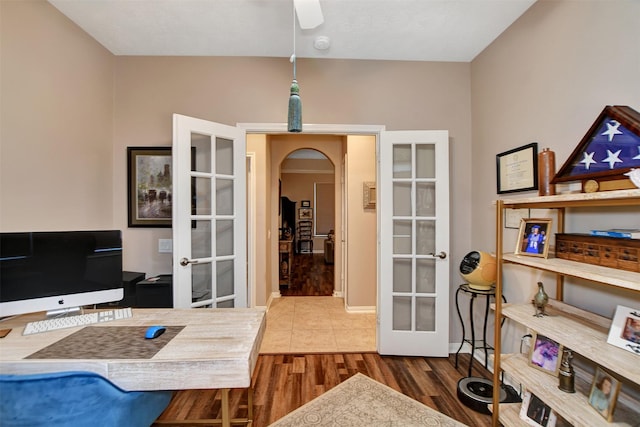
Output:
(292, 372)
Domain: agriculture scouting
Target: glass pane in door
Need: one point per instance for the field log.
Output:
(201, 279)
(402, 199)
(200, 153)
(426, 199)
(425, 275)
(402, 275)
(401, 313)
(224, 156)
(425, 314)
(425, 161)
(224, 237)
(201, 239)
(201, 196)
(402, 161)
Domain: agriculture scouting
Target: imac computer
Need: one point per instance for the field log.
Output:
(59, 271)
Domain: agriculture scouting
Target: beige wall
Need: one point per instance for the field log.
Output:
(56, 137)
(546, 79)
(361, 239)
(70, 109)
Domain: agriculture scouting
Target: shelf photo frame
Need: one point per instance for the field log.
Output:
(604, 393)
(533, 237)
(625, 329)
(545, 354)
(535, 412)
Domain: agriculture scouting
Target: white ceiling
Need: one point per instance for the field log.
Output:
(416, 30)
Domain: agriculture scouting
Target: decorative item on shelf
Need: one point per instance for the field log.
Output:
(612, 252)
(604, 393)
(478, 269)
(546, 172)
(634, 176)
(566, 373)
(625, 329)
(535, 412)
(607, 153)
(540, 300)
(545, 354)
(533, 239)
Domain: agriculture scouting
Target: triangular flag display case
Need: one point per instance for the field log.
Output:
(610, 149)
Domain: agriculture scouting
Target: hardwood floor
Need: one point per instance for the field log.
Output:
(283, 383)
(310, 276)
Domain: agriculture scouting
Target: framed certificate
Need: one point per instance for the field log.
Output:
(517, 169)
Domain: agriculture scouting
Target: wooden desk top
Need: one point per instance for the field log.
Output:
(218, 348)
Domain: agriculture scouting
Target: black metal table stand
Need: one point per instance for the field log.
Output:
(474, 294)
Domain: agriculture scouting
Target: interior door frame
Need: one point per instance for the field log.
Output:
(329, 129)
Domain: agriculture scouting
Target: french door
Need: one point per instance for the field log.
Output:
(413, 298)
(209, 215)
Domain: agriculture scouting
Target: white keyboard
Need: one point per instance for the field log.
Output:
(76, 320)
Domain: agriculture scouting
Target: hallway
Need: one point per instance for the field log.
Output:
(317, 325)
(310, 276)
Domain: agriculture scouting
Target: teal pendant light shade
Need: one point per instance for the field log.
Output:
(294, 123)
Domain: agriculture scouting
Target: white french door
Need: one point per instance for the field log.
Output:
(209, 215)
(413, 299)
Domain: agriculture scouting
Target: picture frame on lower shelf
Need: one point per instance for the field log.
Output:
(625, 329)
(545, 354)
(535, 412)
(604, 393)
(533, 237)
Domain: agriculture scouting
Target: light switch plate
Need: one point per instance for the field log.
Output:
(165, 246)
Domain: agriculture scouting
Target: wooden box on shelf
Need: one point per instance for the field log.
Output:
(597, 250)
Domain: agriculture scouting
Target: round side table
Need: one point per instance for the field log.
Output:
(474, 293)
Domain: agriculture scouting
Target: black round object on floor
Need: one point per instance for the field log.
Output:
(477, 393)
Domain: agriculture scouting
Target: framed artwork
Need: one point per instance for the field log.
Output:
(535, 412)
(625, 329)
(545, 354)
(533, 238)
(305, 213)
(149, 184)
(604, 393)
(305, 203)
(369, 195)
(517, 169)
(512, 217)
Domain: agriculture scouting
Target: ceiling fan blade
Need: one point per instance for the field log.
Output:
(309, 13)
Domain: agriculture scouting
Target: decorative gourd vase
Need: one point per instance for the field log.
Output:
(540, 300)
(546, 172)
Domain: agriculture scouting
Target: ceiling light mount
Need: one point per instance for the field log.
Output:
(322, 43)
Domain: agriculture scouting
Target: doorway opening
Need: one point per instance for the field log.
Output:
(307, 221)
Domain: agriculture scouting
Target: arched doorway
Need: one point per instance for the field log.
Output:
(306, 224)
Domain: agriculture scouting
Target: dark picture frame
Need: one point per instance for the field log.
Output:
(545, 354)
(149, 186)
(517, 169)
(534, 237)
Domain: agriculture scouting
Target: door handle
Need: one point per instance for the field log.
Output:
(186, 261)
(441, 255)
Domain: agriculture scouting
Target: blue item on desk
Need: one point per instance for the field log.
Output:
(154, 332)
(75, 398)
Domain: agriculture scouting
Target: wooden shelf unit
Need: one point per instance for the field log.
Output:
(583, 332)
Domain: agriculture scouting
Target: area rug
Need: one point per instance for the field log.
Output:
(361, 401)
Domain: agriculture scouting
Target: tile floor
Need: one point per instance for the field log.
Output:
(317, 325)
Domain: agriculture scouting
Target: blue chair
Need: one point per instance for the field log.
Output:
(75, 398)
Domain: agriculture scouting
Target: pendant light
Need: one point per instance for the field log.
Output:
(294, 123)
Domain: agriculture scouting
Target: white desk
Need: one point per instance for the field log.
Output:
(217, 349)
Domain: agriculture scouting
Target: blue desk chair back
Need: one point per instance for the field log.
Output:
(75, 398)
